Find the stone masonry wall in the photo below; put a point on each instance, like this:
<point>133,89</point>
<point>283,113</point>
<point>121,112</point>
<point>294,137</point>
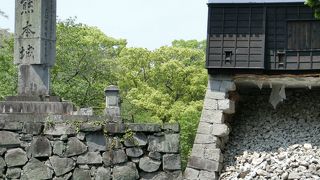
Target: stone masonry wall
<point>205,162</point>
<point>268,143</point>
<point>51,148</point>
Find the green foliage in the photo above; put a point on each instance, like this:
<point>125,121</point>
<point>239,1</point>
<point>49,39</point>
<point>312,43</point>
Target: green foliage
<point>164,85</point>
<point>315,4</point>
<point>8,75</point>
<point>84,63</point>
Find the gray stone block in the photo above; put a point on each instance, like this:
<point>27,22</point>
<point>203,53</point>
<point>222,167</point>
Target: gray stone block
<point>59,129</point>
<point>205,175</point>
<point>171,127</point>
<point>9,139</point>
<point>171,162</point>
<point>206,139</point>
<point>32,128</point>
<point>227,106</point>
<point>169,143</point>
<point>61,166</point>
<point>149,165</point>
<point>75,147</point>
<point>114,157</point>
<point>213,154</point>
<point>81,174</point>
<point>212,116</point>
<point>217,95</point>
<point>11,126</point>
<point>220,130</point>
<point>127,171</point>
<point>138,139</point>
<point>155,155</point>
<point>87,127</point>
<point>145,127</point>
<point>191,174</point>
<point>210,104</point>
<point>58,148</point>
<point>93,158</point>
<point>134,152</point>
<point>36,169</point>
<point>13,173</point>
<point>204,128</point>
<point>96,142</point>
<point>16,157</point>
<point>115,128</point>
<point>103,174</point>
<point>40,147</point>
<point>204,164</point>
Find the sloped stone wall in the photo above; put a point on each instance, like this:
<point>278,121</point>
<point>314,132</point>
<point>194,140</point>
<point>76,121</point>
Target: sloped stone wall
<point>205,162</point>
<point>51,148</point>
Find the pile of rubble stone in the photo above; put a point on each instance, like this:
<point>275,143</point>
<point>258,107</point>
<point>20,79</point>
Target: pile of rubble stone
<point>282,143</point>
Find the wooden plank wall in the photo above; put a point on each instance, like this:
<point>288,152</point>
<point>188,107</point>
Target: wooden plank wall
<point>259,37</point>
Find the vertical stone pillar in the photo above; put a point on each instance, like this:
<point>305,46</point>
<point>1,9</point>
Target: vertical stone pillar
<point>113,103</point>
<point>206,159</point>
<point>34,47</point>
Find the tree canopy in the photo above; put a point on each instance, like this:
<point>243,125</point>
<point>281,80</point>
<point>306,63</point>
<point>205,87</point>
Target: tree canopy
<point>315,4</point>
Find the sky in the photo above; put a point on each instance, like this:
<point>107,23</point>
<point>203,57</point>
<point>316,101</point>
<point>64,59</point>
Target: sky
<point>144,23</point>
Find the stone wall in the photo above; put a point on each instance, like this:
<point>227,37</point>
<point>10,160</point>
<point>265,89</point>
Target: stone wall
<point>206,159</point>
<point>268,143</point>
<point>40,147</point>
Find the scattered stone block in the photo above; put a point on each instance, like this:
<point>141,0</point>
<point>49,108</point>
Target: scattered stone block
<point>114,157</point>
<point>59,129</point>
<point>58,148</point>
<point>171,127</point>
<point>211,116</point>
<point>155,155</point>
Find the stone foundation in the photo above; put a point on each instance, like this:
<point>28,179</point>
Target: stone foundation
<point>52,147</point>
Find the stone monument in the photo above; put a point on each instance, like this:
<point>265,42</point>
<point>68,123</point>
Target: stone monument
<point>34,54</point>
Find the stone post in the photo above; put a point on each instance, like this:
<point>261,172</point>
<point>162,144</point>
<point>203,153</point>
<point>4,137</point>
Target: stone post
<point>34,47</point>
<point>113,103</point>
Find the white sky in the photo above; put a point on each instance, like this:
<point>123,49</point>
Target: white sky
<point>144,23</point>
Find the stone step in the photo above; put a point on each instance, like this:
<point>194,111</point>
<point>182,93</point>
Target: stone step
<point>36,107</point>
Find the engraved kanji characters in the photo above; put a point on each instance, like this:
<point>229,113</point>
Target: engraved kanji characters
<point>27,6</point>
<point>28,53</point>
<point>27,30</point>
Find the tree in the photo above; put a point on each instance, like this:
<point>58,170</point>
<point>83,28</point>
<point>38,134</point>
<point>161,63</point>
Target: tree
<point>315,4</point>
<point>8,75</point>
<point>165,85</point>
<point>84,64</point>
